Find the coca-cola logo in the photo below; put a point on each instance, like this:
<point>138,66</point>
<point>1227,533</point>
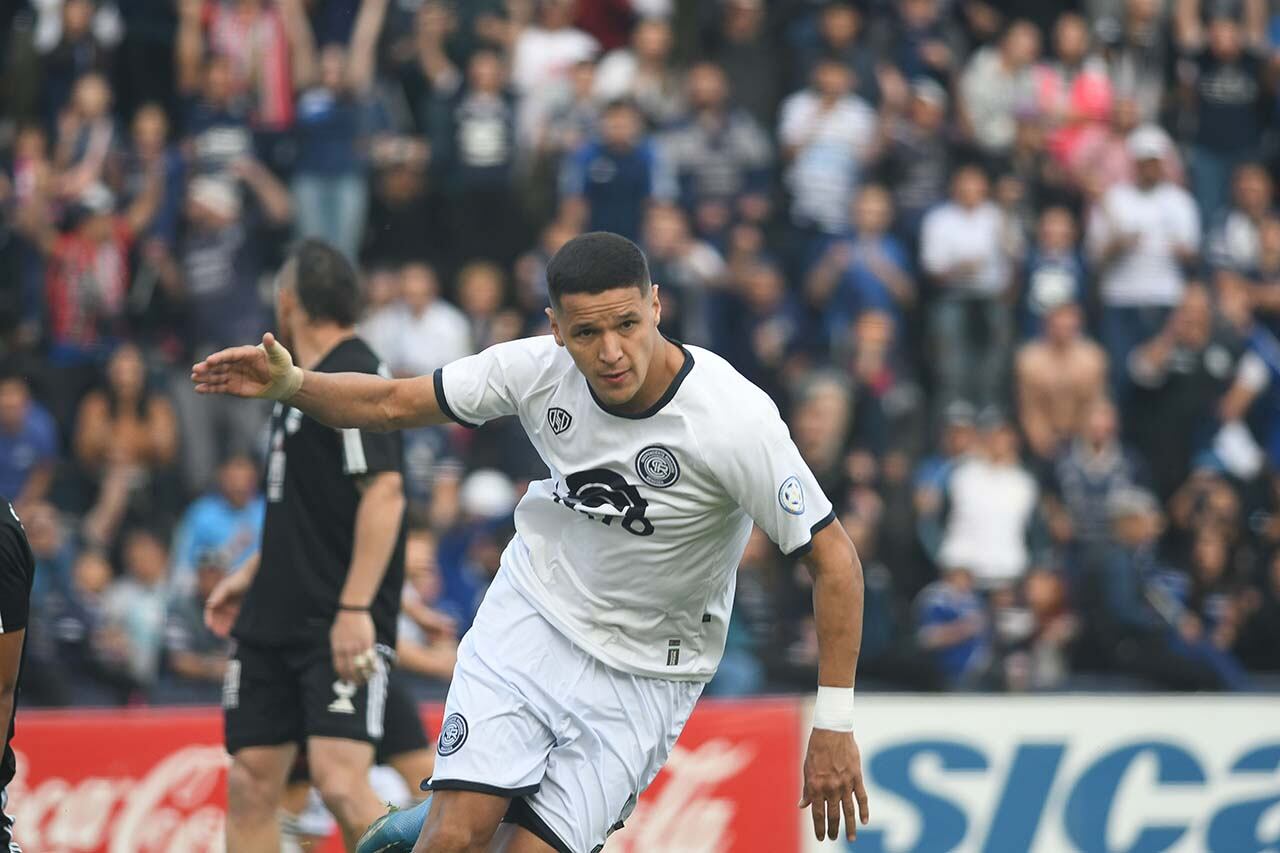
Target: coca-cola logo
<point>174,808</point>
<point>687,814</point>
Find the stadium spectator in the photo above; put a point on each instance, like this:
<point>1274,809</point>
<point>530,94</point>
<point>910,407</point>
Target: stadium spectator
<point>757,323</point>
<point>28,444</point>
<point>1138,54</point>
<point>992,502</point>
<point>741,45</point>
<point>997,84</point>
<point>86,280</point>
<point>542,52</point>
<point>927,43</point>
<point>482,297</point>
<point>421,331</point>
<point>1235,238</point>
<point>223,527</point>
<point>1224,91</point>
<point>1073,91</point>
<point>1060,376</point>
<point>869,271</point>
<point>606,184</point>
<point>721,157</point>
<point>1179,376</point>
<point>827,136</point>
<point>915,154</point>
<point>86,654</point>
<point>251,40</point>
<point>953,627</point>
<point>1054,270</point>
<point>134,607</point>
<point>842,33</point>
<point>149,153</point>
<point>215,123</point>
<point>474,149</point>
<point>970,325</point>
<point>75,39</point>
<point>1140,237</point>
<point>330,191</point>
<point>195,657</point>
<point>86,137</point>
<point>1259,643</point>
<point>427,639</point>
<point>686,268</point>
<point>644,74</point>
<point>1093,467</point>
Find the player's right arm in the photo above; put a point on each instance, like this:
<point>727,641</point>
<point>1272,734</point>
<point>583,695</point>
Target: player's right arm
<point>340,400</point>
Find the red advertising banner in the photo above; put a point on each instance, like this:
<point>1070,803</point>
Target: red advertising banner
<point>154,781</point>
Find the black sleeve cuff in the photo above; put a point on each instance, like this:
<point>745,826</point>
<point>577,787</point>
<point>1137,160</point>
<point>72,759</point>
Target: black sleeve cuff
<point>813,531</point>
<point>438,379</point>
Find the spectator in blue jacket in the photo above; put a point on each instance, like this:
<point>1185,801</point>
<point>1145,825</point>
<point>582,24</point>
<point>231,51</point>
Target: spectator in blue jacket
<point>227,522</point>
<point>608,182</point>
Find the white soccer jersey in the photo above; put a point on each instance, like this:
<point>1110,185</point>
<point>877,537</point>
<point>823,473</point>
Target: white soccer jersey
<point>631,546</point>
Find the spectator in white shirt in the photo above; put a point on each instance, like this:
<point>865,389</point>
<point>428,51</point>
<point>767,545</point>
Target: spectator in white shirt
<point>645,74</point>
<point>827,135</point>
<point>992,504</point>
<point>420,332</point>
<point>1141,236</point>
<point>542,58</point>
<point>971,325</point>
<point>998,82</point>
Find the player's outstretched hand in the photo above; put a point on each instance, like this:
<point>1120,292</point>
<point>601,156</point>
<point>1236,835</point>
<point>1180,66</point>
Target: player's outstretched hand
<point>833,783</point>
<point>223,604</point>
<point>266,370</point>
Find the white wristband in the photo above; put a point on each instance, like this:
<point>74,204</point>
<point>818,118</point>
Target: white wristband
<point>833,709</point>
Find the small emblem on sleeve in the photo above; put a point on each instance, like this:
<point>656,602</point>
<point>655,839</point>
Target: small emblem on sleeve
<point>657,467</point>
<point>453,734</point>
<point>558,419</point>
<point>791,496</point>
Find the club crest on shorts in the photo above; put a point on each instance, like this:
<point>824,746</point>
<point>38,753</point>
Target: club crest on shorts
<point>657,467</point>
<point>453,734</point>
<point>791,496</point>
<point>558,419</point>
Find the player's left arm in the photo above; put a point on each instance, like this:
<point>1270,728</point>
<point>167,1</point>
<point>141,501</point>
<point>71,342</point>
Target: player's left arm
<point>377,528</point>
<point>833,766</point>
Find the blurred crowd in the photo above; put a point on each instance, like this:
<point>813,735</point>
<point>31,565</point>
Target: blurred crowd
<point>1011,271</point>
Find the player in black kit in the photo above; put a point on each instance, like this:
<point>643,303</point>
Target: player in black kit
<point>17,571</point>
<point>317,609</point>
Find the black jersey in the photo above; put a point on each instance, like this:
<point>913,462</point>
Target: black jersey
<point>311,483</point>
<point>17,572</point>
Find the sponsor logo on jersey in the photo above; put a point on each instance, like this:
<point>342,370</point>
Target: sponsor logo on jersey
<point>453,734</point>
<point>343,691</point>
<point>558,419</point>
<point>657,466</point>
<point>791,496</point>
<point>605,496</point>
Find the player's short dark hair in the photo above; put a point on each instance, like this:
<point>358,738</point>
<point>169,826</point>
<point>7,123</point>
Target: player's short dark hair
<point>596,262</point>
<point>325,282</point>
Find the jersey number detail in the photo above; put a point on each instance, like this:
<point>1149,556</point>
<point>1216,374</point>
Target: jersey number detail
<point>610,496</point>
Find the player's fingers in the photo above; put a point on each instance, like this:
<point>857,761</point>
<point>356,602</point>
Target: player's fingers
<point>850,816</point>
<point>860,791</point>
<point>819,818</point>
<point>833,818</point>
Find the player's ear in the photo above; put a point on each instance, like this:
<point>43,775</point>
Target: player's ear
<point>555,326</point>
<point>657,305</point>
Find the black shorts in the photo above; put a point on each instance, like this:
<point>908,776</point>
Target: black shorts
<point>285,694</point>
<point>402,729</point>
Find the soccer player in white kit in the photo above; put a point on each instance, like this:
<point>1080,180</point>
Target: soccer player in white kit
<point>610,611</point>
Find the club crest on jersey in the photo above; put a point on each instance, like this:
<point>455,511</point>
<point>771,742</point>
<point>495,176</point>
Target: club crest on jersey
<point>791,496</point>
<point>657,466</point>
<point>558,419</point>
<point>453,734</point>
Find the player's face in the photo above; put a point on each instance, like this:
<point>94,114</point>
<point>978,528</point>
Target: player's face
<point>612,337</point>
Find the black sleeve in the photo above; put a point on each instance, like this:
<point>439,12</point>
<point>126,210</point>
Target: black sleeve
<point>371,452</point>
<point>16,571</point>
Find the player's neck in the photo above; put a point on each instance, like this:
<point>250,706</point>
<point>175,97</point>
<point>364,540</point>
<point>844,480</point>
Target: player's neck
<point>312,343</point>
<point>666,364</point>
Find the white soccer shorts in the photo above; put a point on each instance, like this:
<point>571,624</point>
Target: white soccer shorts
<point>532,717</point>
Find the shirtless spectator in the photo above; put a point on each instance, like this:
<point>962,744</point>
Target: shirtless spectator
<point>1060,375</point>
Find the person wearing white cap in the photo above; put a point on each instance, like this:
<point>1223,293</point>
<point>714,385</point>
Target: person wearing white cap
<point>1141,236</point>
